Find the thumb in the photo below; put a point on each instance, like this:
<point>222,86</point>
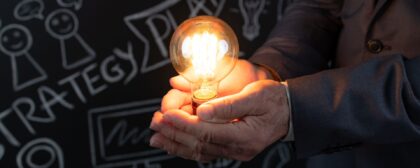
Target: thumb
<point>226,109</point>
<point>180,83</point>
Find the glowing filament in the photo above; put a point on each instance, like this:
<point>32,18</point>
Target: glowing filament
<point>204,50</point>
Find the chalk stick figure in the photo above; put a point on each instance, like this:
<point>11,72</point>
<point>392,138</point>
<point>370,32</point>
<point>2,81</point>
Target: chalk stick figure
<point>15,41</point>
<point>63,25</point>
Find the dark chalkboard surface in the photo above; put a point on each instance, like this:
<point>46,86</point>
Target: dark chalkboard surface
<point>81,78</point>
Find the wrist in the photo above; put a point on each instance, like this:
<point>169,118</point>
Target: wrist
<point>262,73</point>
<point>265,72</point>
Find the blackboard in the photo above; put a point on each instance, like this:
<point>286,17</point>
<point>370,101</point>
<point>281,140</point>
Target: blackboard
<point>81,78</point>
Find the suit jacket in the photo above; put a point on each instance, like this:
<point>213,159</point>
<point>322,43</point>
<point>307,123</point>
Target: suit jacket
<point>353,70</point>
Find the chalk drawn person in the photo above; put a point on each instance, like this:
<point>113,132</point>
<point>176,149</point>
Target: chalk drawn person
<point>63,25</point>
<point>15,41</point>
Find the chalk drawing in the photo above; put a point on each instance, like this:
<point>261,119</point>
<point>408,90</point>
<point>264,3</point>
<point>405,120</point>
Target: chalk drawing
<point>170,25</point>
<point>3,129</point>
<point>24,109</point>
<point>15,41</point>
<point>251,11</point>
<point>90,80</point>
<point>278,156</point>
<point>50,98</point>
<point>63,25</point>
<point>2,151</point>
<point>16,106</point>
<point>26,158</point>
<point>200,5</point>
<point>125,143</point>
<point>154,165</point>
<point>161,13</point>
<point>124,136</point>
<point>145,67</point>
<point>70,3</point>
<point>129,56</point>
<point>29,9</point>
<point>220,163</point>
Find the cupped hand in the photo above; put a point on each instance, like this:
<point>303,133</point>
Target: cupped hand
<point>237,126</point>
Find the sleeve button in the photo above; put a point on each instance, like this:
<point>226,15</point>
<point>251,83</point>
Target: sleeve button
<point>375,46</point>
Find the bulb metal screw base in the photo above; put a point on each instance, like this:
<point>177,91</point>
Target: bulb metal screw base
<point>199,98</point>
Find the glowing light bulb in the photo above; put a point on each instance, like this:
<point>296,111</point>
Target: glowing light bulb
<point>204,50</point>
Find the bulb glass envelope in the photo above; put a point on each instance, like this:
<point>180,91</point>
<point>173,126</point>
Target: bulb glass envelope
<point>204,50</point>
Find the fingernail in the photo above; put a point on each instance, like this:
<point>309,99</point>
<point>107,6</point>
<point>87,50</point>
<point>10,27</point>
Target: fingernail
<point>154,126</point>
<point>155,143</point>
<point>166,123</point>
<point>166,118</point>
<point>204,112</point>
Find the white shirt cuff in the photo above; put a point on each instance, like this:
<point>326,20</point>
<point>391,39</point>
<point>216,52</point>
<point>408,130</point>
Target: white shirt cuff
<point>290,134</point>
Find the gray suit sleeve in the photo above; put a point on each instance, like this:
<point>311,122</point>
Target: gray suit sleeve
<point>376,102</point>
<point>304,41</point>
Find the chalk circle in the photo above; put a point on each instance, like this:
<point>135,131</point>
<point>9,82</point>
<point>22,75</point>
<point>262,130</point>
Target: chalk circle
<point>26,155</point>
<point>29,157</point>
<point>56,19</point>
<point>24,45</point>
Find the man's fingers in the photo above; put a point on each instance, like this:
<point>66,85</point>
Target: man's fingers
<point>226,109</point>
<point>192,142</point>
<point>157,121</point>
<point>179,82</point>
<point>183,131</point>
<point>178,136</point>
<point>188,108</point>
<point>245,103</point>
<point>204,131</point>
<point>175,99</point>
<point>174,148</point>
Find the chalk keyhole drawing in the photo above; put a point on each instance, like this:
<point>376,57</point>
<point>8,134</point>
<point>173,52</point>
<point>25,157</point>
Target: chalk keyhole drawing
<point>15,41</point>
<point>63,25</point>
<point>251,11</point>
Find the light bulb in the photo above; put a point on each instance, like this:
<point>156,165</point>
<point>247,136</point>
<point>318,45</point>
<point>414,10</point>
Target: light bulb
<point>204,50</point>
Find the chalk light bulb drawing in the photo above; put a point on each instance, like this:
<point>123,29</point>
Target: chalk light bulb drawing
<point>204,50</point>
